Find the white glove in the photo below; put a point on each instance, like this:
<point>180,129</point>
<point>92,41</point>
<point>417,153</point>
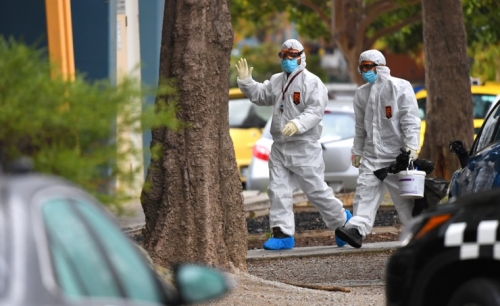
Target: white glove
<point>242,68</point>
<point>413,153</point>
<point>290,129</point>
<point>356,161</point>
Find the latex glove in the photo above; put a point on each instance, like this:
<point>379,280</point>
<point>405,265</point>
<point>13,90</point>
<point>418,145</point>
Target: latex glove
<point>356,161</point>
<point>290,129</point>
<point>242,68</point>
<point>413,153</point>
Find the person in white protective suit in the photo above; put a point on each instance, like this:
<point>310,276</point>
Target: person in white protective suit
<point>387,120</point>
<point>299,99</point>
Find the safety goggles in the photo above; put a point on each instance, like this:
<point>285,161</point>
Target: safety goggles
<point>289,54</point>
<point>366,67</point>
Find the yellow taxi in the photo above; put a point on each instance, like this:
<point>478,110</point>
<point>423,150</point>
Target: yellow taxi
<point>246,122</point>
<point>482,98</point>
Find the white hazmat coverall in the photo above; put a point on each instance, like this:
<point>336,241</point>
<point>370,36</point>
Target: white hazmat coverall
<point>297,158</point>
<point>387,119</point>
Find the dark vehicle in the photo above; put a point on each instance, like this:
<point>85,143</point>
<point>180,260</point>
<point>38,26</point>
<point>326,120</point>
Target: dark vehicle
<point>449,256</point>
<point>58,246</point>
<point>481,165</point>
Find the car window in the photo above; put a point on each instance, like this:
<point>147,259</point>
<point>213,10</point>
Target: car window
<point>80,267</point>
<point>245,114</point>
<point>338,126</point>
<point>138,280</point>
<point>91,257</point>
<point>480,103</point>
<point>490,127</point>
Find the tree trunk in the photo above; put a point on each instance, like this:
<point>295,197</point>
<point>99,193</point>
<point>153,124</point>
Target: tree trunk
<point>193,203</point>
<point>447,80</point>
<point>350,23</point>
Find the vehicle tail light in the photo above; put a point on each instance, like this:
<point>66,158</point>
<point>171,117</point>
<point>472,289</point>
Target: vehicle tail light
<point>261,152</point>
<point>352,157</point>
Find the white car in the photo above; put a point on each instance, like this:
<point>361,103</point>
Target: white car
<point>337,140</point>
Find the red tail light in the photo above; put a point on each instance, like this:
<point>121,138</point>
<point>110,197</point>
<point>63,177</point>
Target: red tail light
<point>261,152</point>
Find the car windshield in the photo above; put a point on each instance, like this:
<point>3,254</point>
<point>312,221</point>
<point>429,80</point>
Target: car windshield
<point>336,126</point>
<point>481,104</point>
<point>245,114</point>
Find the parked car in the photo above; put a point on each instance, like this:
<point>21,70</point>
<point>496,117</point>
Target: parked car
<point>449,255</point>
<point>246,121</point>
<point>58,246</point>
<point>337,140</point>
<point>483,97</point>
<point>481,170</point>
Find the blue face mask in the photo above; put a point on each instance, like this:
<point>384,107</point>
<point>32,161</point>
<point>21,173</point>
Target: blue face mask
<point>289,65</point>
<point>369,76</point>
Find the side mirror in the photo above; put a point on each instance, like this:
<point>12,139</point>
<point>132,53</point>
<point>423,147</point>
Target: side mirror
<point>197,283</point>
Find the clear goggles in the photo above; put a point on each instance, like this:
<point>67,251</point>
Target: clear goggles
<point>289,54</point>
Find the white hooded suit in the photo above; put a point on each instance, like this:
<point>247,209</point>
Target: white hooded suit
<point>300,97</point>
<point>387,119</point>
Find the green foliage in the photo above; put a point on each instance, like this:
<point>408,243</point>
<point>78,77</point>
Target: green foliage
<point>263,58</point>
<point>486,63</point>
<point>70,129</point>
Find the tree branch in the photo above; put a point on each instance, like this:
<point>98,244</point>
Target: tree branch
<point>322,15</point>
<point>374,10</point>
<point>394,28</point>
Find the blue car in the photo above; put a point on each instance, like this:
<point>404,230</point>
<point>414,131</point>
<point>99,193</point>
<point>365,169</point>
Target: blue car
<point>481,165</point>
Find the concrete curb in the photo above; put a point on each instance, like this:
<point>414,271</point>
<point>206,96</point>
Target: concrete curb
<point>261,254</point>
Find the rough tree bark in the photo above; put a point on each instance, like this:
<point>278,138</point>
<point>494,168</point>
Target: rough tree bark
<point>194,206</point>
<point>447,80</point>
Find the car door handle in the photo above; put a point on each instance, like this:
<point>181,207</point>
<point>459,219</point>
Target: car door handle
<point>472,166</point>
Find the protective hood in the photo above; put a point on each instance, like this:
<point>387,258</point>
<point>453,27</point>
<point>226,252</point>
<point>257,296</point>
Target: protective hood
<point>295,44</point>
<point>373,56</point>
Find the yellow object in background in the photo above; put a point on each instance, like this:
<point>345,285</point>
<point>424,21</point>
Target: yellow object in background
<point>482,98</point>
<point>60,37</point>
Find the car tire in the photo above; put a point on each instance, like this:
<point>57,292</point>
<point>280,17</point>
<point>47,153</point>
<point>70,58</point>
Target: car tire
<point>477,292</point>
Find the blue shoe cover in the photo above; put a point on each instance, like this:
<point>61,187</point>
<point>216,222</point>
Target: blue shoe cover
<point>279,243</point>
<point>338,241</point>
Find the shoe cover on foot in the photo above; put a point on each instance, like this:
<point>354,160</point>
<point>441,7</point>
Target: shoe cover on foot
<point>338,241</point>
<point>279,243</point>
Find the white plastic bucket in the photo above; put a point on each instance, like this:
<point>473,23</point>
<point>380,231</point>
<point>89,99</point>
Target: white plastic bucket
<point>411,184</point>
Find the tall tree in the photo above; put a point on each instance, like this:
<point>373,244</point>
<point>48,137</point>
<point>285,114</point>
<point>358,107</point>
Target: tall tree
<point>193,202</point>
<point>353,26</point>
<point>447,80</point>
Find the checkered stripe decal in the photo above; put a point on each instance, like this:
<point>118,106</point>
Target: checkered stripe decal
<point>485,244</point>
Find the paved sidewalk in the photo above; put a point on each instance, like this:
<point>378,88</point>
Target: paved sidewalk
<point>261,254</point>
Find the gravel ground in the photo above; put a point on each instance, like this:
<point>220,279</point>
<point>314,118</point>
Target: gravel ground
<point>265,283</point>
<point>268,282</point>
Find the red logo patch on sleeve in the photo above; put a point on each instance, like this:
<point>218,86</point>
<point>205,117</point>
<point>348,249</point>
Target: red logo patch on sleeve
<point>296,98</point>
<point>388,112</point>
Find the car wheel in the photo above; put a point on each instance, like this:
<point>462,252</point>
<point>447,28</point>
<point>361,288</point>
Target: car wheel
<point>477,292</point>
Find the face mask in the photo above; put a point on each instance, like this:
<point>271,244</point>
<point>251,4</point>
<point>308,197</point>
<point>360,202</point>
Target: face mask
<point>289,65</point>
<point>369,76</point>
